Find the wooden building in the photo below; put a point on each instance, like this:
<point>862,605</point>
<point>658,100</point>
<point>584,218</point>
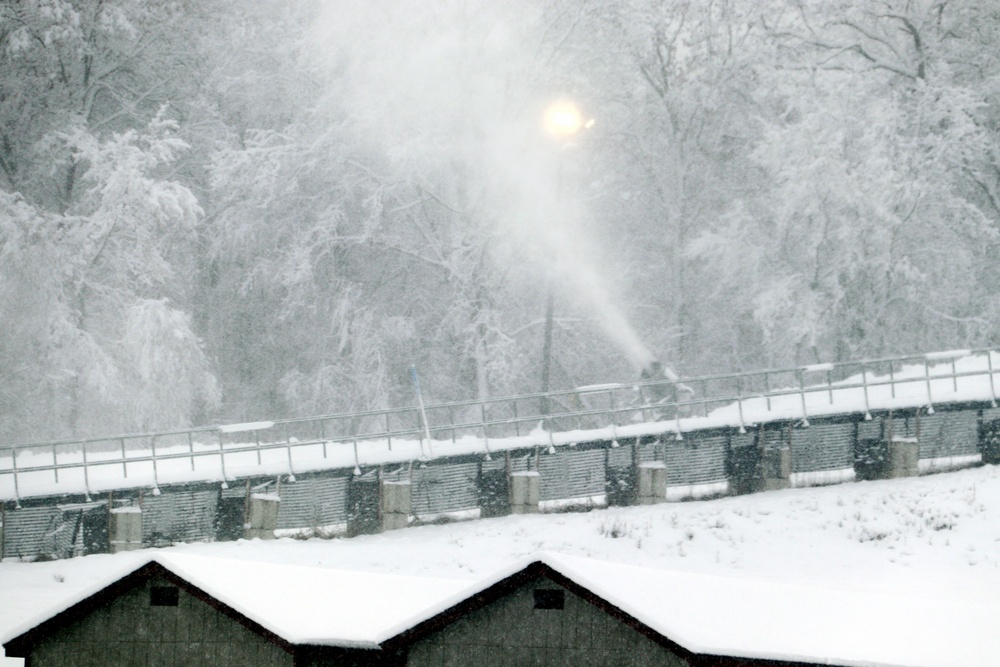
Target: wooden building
<point>539,616</point>
<point>192,611</point>
<point>550,611</point>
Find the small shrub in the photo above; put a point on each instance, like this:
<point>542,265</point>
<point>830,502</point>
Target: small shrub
<point>617,529</point>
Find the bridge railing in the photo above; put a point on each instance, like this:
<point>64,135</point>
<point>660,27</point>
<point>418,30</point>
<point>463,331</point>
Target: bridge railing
<point>734,399</point>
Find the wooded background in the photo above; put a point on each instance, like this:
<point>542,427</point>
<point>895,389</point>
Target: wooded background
<point>220,210</point>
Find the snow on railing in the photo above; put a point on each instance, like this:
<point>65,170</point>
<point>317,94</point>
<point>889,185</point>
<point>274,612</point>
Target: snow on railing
<point>608,412</point>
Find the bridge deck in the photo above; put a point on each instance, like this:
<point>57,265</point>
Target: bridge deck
<point>606,413</point>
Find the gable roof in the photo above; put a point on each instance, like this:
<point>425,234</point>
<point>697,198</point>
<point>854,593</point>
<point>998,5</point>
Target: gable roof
<point>287,605</point>
<point>714,620</point>
<point>511,579</point>
<point>710,620</point>
<point>20,646</point>
<point>480,596</point>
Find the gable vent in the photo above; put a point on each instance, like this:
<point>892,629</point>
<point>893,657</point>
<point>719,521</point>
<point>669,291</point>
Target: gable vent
<point>549,598</point>
<point>163,596</point>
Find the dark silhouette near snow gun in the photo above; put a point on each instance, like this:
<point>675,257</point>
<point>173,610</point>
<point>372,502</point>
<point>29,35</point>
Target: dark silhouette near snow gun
<point>663,389</point>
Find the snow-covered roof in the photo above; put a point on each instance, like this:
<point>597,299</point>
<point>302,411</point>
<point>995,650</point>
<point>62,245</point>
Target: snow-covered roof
<point>302,605</point>
<point>705,614</point>
<point>751,618</point>
<point>312,605</point>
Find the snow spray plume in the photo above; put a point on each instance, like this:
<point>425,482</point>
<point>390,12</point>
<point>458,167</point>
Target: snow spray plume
<point>451,91</point>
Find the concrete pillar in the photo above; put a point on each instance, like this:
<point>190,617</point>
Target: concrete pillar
<point>904,457</point>
<point>396,504</point>
<point>775,469</point>
<point>523,492</point>
<point>262,517</point>
<point>652,486</point>
<point>125,530</point>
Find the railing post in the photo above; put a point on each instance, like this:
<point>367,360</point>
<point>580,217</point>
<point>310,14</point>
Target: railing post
<point>864,382</point>
<point>739,402</point>
<point>55,464</point>
<point>802,394</point>
<point>125,462</point>
<point>388,433</point>
<point>288,449</point>
<point>156,472</point>
<point>767,389</point>
<point>642,402</point>
<point>930,398</point>
<point>191,448</point>
<point>989,364</point>
<point>86,471</point>
<point>614,416</point>
<point>222,461</point>
<point>17,490</point>
<point>422,414</point>
<point>486,435</point>
<point>677,412</point>
<point>357,461</point>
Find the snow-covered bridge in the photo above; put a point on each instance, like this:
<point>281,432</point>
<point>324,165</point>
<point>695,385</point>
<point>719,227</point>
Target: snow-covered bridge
<point>729,433</point>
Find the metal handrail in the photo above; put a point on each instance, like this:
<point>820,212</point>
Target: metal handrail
<point>619,411</point>
<point>502,399</point>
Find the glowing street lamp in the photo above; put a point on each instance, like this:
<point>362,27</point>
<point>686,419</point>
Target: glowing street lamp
<point>562,120</point>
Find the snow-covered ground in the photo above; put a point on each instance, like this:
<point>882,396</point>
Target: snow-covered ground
<point>934,539</point>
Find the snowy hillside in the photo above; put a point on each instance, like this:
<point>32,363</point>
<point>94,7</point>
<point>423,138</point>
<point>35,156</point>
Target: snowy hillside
<point>933,538</point>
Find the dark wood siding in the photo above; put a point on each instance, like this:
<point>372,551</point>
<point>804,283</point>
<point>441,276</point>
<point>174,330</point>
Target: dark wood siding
<point>511,632</point>
<point>130,632</point>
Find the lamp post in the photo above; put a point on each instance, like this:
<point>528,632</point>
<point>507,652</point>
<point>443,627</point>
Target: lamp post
<point>563,120</point>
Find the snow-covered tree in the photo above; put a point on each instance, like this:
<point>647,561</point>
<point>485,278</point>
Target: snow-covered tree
<point>279,207</point>
<point>870,237</point>
<point>93,221</point>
